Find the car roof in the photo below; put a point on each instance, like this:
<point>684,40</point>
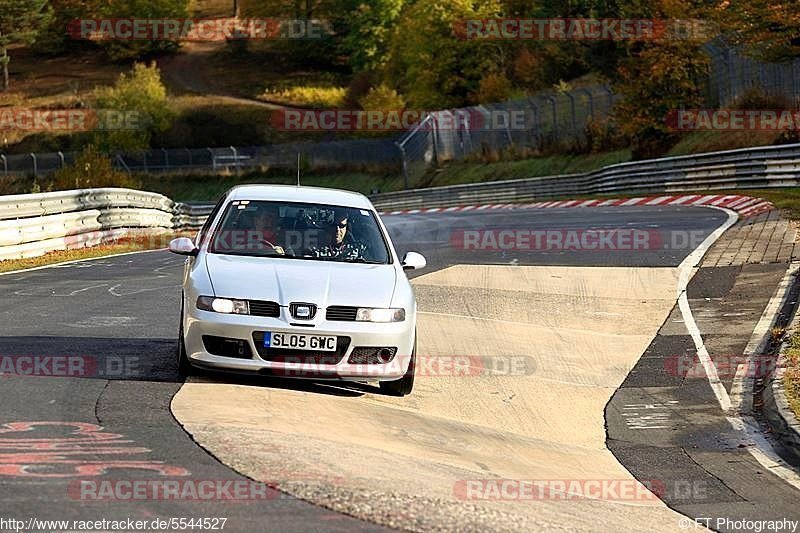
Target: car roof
<point>292,193</point>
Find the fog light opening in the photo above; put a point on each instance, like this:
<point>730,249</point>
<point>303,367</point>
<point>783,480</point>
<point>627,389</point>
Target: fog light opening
<point>385,355</point>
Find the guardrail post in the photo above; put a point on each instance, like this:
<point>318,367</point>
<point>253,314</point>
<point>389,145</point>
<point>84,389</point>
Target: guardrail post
<point>189,152</point>
<point>61,157</point>
<point>405,164</point>
<point>572,111</point>
<point>166,158</point>
<point>235,159</point>
<point>5,164</point>
<point>35,165</point>
<point>435,136</point>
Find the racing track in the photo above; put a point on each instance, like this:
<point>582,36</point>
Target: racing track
<point>392,461</point>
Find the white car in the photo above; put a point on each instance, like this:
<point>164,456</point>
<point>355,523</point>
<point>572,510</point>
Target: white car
<point>298,282</point>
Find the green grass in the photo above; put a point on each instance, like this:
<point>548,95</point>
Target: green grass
<point>791,376</point>
<point>472,172</point>
<point>202,188</point>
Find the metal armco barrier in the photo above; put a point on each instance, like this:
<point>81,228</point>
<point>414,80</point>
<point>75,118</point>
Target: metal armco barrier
<point>750,168</point>
<point>34,224</point>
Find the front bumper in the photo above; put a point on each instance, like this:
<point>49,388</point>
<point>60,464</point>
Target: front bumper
<point>198,323</point>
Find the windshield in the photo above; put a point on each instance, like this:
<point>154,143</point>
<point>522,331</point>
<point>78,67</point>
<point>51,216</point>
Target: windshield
<point>291,230</point>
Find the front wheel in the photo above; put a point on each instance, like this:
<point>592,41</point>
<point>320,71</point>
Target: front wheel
<point>184,368</point>
<point>404,385</point>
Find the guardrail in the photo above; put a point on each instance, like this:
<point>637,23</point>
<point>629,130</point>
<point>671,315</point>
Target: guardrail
<point>34,224</point>
<point>750,168</point>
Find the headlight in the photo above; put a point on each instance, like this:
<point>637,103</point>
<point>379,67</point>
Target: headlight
<point>223,305</point>
<point>366,314</point>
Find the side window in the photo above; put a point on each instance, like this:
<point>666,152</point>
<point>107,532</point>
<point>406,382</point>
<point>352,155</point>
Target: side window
<point>204,230</point>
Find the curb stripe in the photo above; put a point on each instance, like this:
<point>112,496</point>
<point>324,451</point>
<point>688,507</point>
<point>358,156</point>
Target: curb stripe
<point>745,205</point>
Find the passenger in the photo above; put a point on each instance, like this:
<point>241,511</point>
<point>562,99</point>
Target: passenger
<point>341,242</point>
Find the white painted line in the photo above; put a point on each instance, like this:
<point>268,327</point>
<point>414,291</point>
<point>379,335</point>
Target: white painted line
<point>705,199</point>
<point>742,399</point>
<point>740,416</point>
<point>685,270</point>
<point>763,451</point>
<point>684,199</point>
<point>756,208</point>
<point>659,200</point>
<point>724,199</point>
<point>632,201</point>
<point>748,202</point>
<point>737,203</point>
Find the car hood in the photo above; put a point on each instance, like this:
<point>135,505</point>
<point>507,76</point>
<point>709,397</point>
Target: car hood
<point>284,281</point>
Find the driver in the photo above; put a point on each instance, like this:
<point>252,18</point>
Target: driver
<point>341,244</point>
<point>266,228</point>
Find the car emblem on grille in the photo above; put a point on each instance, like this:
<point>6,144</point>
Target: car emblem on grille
<point>303,311</point>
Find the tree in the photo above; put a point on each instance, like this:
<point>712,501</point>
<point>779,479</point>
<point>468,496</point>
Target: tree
<point>429,64</point>
<point>91,168</point>
<point>767,28</point>
<point>142,96</point>
<point>657,78</point>
<point>368,31</point>
<point>142,9</point>
<point>20,21</point>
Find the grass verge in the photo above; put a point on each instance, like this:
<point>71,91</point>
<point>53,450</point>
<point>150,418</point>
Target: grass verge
<point>134,243</point>
<point>791,375</point>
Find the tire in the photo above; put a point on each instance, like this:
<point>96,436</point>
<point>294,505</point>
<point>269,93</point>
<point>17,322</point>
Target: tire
<point>404,385</point>
<point>184,367</point>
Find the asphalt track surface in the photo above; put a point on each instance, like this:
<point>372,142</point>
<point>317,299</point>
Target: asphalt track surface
<point>120,315</point>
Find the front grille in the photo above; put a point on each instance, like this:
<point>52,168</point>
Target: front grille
<point>282,355</point>
<point>226,347</point>
<point>341,313</point>
<point>259,308</point>
<point>363,355</point>
<point>312,310</point>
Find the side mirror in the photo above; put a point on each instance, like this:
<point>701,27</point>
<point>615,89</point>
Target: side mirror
<point>183,246</point>
<point>413,261</point>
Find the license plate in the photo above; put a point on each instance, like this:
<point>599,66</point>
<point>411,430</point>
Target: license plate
<point>299,341</point>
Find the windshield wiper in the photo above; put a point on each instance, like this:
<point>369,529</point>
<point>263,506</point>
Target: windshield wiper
<point>365,261</point>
